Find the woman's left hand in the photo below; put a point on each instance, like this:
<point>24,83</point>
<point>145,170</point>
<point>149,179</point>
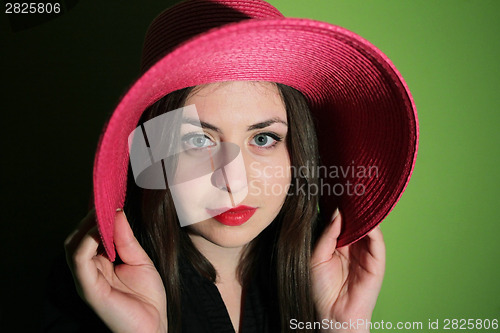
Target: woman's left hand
<point>346,281</point>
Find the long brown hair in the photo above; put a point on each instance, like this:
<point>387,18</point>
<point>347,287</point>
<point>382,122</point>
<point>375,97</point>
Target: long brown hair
<point>279,257</point>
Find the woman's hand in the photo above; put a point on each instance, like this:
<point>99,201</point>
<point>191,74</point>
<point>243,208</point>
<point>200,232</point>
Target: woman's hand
<point>346,281</point>
<point>129,297</point>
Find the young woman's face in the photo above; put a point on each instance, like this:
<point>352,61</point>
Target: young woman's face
<point>250,116</point>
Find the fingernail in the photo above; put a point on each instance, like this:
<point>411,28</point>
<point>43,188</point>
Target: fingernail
<point>335,214</point>
<point>121,210</point>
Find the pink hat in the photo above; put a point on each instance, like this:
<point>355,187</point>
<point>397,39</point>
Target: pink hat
<point>365,116</point>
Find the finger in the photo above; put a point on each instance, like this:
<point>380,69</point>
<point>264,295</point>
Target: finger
<point>127,246</point>
<point>81,260</point>
<point>327,242</point>
<point>376,244</point>
<point>74,241</point>
<point>87,223</point>
<point>369,252</point>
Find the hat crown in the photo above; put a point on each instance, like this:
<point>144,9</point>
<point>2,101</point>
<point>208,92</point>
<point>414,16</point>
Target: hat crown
<point>180,23</point>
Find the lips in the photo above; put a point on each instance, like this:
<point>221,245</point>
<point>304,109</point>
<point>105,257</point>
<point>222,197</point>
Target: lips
<point>233,217</point>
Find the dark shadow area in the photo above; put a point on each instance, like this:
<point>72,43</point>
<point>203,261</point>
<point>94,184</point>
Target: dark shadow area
<point>61,77</point>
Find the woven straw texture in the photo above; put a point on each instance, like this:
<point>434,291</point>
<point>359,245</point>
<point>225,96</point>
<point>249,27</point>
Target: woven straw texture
<point>362,108</point>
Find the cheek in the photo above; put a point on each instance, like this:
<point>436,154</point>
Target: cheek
<point>270,177</point>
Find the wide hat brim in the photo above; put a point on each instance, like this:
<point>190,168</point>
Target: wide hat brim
<point>364,113</point>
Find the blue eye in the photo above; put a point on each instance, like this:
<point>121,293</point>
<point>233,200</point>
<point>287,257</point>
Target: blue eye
<point>197,141</point>
<point>265,140</point>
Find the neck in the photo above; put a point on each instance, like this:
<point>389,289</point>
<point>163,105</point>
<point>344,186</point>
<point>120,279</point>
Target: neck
<point>225,260</point>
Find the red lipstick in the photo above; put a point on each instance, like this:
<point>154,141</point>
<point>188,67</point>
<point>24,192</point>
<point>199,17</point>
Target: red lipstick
<point>234,216</point>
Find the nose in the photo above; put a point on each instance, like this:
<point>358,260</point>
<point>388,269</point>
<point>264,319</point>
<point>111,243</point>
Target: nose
<point>231,175</point>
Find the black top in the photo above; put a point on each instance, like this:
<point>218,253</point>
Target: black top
<point>203,310</point>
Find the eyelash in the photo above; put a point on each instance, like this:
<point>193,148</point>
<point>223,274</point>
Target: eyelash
<point>276,137</point>
<point>188,136</point>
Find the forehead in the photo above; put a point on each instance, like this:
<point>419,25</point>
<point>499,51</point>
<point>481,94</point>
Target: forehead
<point>238,100</point>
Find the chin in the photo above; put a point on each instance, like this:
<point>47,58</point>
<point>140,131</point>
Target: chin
<point>227,236</point>
<point>230,242</point>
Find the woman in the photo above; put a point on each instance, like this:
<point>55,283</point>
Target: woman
<point>258,256</point>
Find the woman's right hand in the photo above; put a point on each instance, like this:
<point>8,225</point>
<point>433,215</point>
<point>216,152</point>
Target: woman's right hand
<point>128,297</point>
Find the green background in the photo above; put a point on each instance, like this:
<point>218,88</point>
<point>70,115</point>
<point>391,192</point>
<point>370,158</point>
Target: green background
<point>443,253</point>
<point>62,77</point>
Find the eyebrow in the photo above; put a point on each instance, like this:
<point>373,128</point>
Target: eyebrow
<point>196,122</point>
<point>260,125</point>
<point>267,123</point>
